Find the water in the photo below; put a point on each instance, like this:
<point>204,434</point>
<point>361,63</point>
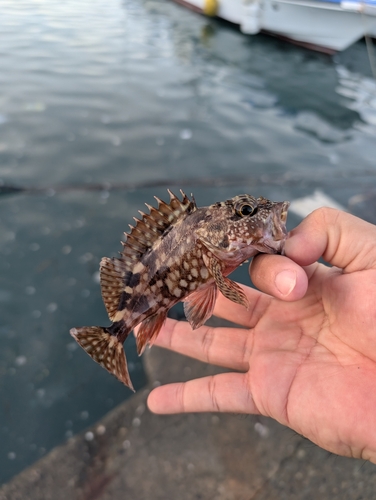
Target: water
<point>125,94</point>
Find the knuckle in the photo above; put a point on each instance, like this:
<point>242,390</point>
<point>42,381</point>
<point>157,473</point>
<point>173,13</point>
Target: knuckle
<point>213,394</point>
<point>207,342</point>
<point>181,397</point>
<point>324,216</point>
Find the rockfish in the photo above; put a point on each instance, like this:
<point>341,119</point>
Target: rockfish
<point>178,252</point>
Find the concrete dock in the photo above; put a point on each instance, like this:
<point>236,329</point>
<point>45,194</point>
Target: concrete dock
<point>135,455</point>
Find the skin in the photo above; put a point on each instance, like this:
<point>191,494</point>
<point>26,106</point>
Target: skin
<point>306,352</point>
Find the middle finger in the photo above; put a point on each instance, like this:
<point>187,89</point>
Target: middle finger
<point>227,347</point>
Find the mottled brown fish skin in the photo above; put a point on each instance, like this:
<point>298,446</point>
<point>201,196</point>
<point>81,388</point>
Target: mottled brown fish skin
<point>178,252</point>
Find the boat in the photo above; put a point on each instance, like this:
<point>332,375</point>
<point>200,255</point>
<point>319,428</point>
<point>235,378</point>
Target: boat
<point>324,25</point>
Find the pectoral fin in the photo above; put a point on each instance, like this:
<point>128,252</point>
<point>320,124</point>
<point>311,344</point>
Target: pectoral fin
<point>198,306</point>
<point>227,287</point>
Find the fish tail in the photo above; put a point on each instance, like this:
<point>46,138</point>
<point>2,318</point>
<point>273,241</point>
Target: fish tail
<point>106,349</point>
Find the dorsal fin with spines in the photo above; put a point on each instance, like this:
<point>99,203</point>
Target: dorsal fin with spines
<point>146,231</point>
<point>150,227</point>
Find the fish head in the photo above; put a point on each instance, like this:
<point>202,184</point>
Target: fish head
<point>243,226</point>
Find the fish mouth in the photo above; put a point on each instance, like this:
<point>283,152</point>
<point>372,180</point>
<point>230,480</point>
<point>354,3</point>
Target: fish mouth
<point>275,247</point>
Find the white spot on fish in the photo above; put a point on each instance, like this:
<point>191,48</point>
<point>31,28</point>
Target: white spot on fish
<point>118,316</point>
<point>194,272</point>
<point>170,284</point>
<point>204,273</point>
<point>138,267</point>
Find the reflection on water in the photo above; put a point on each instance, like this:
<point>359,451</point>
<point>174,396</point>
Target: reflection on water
<point>361,92</point>
<point>128,92</point>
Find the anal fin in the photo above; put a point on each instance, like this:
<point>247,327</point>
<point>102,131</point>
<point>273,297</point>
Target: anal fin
<point>105,349</point>
<point>198,307</point>
<point>149,330</point>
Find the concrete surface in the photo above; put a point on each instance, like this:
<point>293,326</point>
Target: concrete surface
<point>134,455</point>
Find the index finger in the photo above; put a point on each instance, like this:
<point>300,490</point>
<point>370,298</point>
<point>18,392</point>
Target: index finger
<point>341,239</point>
<point>225,392</point>
<point>221,346</point>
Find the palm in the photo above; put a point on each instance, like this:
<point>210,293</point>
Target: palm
<point>308,370</point>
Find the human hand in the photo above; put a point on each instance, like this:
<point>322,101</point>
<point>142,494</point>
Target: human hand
<point>307,350</point>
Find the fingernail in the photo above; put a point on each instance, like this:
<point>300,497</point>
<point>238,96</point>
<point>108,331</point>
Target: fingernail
<point>285,282</point>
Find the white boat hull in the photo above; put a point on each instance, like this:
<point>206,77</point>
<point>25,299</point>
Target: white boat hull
<point>325,26</point>
<point>329,26</point>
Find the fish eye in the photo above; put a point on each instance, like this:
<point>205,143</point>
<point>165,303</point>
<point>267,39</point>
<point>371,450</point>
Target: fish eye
<point>246,210</point>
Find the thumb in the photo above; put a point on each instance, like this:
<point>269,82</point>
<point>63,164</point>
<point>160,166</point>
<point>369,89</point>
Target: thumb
<point>341,239</point>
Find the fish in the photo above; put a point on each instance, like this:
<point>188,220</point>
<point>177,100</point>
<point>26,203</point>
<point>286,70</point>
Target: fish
<point>178,252</point>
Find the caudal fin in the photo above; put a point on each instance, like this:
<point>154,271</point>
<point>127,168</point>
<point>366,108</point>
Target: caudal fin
<point>105,349</point>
